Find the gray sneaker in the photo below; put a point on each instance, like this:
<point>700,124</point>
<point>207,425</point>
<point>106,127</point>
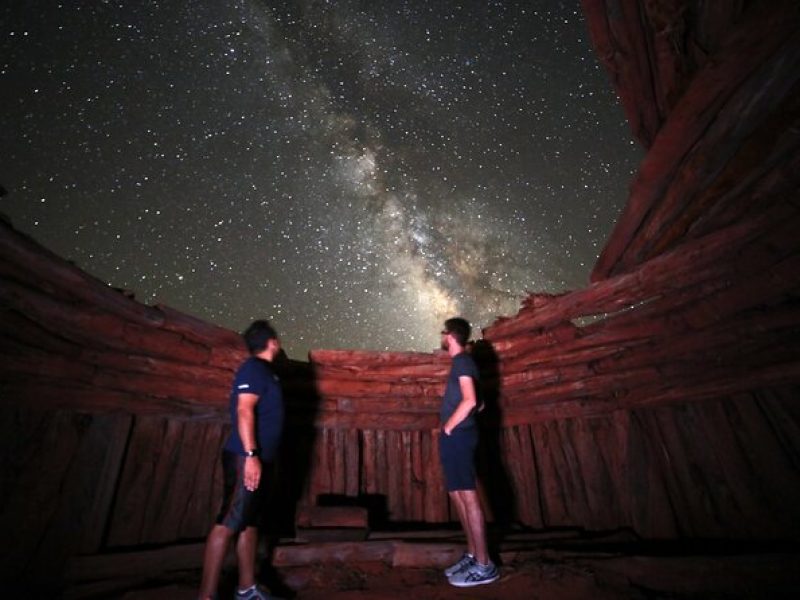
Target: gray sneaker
<point>465,562</point>
<point>253,593</point>
<point>475,574</point>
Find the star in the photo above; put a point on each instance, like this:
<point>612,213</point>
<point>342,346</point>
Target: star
<point>354,173</point>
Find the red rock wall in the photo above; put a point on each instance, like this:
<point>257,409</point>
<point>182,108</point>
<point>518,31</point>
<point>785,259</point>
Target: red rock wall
<point>712,91</point>
<point>662,397</point>
<point>109,411</point>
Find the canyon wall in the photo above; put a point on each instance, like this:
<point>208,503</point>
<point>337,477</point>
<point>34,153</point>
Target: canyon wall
<point>662,398</point>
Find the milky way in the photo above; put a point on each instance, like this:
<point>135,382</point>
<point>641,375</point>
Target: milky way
<point>355,173</point>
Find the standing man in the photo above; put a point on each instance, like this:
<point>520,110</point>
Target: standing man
<point>256,405</point>
<point>457,444</point>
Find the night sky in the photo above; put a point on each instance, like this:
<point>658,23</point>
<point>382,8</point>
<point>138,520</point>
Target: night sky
<point>354,171</point>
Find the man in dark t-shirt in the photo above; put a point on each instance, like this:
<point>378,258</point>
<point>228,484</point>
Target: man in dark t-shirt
<point>256,376</point>
<point>457,444</point>
<point>256,407</point>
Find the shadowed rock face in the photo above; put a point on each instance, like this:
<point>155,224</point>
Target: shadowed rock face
<point>661,398</point>
<point>711,92</point>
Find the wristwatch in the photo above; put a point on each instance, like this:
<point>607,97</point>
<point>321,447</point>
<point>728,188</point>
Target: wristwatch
<point>251,453</point>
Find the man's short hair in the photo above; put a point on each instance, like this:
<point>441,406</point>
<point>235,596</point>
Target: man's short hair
<point>257,335</point>
<point>459,328</point>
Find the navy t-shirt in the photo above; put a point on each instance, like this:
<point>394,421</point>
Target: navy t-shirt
<point>462,365</point>
<point>256,376</point>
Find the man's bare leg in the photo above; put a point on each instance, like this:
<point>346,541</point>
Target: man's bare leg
<point>216,546</point>
<point>476,525</point>
<point>461,510</point>
<point>461,507</point>
<point>246,547</point>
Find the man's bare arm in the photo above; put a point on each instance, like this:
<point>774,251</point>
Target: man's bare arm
<point>246,421</point>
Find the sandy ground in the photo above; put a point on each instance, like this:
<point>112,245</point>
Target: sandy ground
<point>378,582</point>
<point>775,575</point>
<point>561,565</point>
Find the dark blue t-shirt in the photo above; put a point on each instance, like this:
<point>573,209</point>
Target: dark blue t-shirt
<point>256,376</point>
<point>462,365</point>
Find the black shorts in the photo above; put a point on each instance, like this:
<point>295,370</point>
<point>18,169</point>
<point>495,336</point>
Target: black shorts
<point>457,453</point>
<point>241,508</point>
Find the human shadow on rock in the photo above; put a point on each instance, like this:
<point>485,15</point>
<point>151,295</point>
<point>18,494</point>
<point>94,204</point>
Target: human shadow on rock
<point>293,467</point>
<point>491,470</point>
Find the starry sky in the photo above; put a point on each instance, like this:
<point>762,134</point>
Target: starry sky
<point>354,171</point>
